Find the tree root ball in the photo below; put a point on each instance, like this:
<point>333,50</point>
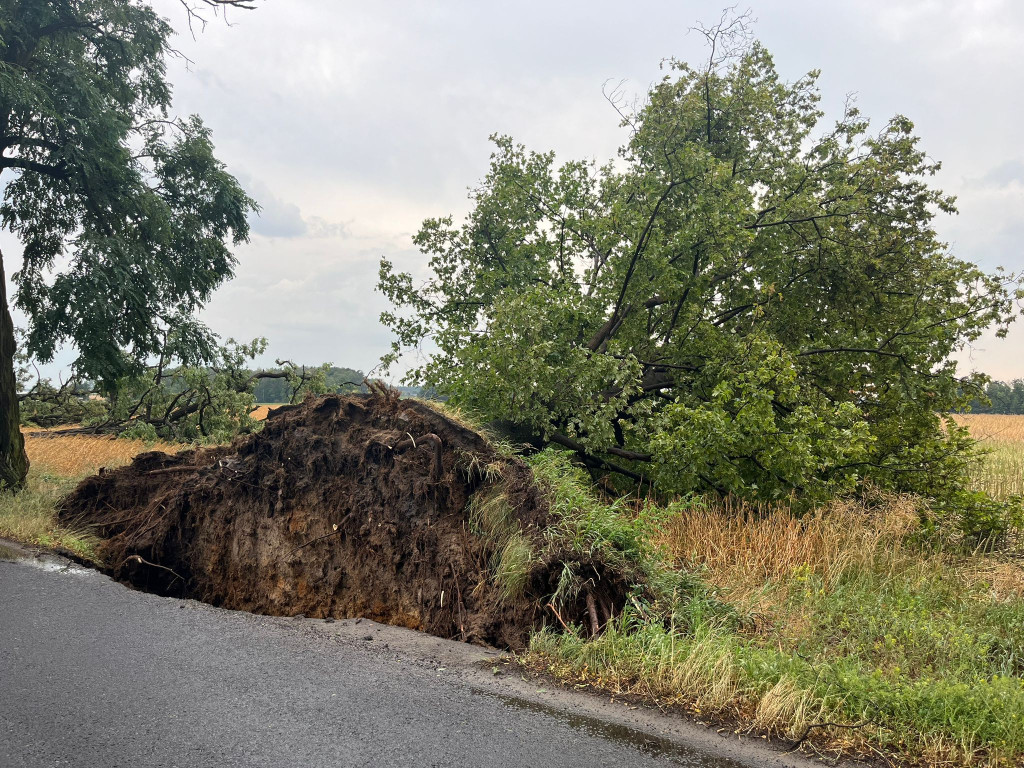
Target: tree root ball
<point>355,505</point>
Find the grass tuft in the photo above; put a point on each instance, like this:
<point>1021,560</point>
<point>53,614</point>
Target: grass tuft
<point>515,562</point>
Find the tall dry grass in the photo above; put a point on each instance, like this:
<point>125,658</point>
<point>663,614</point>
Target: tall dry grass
<point>755,554</point>
<point>741,547</point>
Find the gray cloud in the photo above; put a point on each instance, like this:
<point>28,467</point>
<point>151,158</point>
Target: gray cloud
<point>318,227</point>
<point>278,218</point>
<point>361,119</point>
<point>1003,175</point>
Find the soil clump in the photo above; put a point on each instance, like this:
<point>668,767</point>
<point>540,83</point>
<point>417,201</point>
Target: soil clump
<point>343,506</point>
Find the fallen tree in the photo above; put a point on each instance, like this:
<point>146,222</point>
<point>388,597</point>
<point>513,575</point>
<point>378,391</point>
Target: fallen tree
<point>363,505</point>
<point>174,398</point>
<point>741,302</point>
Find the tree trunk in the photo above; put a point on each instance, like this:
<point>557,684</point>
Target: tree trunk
<point>13,459</point>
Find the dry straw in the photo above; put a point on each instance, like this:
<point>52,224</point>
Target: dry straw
<point>741,547</point>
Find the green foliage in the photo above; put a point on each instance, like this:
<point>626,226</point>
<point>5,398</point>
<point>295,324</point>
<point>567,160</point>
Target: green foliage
<point>912,623</point>
<point>43,404</point>
<point>48,406</point>
<point>741,302</point>
<point>983,521</point>
<point>209,403</point>
<point>287,388</point>
<point>125,214</point>
<point>344,380</point>
<point>1001,397</point>
<point>176,401</point>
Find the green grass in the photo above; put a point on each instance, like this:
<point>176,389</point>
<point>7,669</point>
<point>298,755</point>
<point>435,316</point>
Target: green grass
<point>29,516</point>
<point>713,671</point>
<point>853,618</point>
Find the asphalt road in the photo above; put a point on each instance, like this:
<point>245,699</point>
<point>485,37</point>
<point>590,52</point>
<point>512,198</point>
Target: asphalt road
<point>93,674</point>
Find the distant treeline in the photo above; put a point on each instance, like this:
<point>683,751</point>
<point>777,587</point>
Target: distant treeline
<point>340,380</point>
<point>1006,397</point>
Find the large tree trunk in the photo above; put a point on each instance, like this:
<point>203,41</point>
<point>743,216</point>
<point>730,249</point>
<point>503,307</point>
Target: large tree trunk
<point>13,459</point>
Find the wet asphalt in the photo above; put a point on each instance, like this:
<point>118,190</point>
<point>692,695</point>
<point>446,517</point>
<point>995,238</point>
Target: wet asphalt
<point>96,675</point>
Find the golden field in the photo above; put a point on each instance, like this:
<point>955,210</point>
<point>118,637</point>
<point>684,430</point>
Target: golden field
<point>75,456</point>
<point>1001,472</point>
<point>260,412</point>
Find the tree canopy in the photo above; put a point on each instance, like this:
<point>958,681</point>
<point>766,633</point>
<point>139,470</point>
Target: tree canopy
<point>744,300</point>
<point>125,214</point>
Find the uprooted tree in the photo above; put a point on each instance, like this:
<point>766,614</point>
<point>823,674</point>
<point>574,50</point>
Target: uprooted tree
<point>124,214</point>
<point>170,399</point>
<point>741,302</point>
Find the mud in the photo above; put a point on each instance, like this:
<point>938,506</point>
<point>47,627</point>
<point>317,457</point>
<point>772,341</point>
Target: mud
<point>344,506</point>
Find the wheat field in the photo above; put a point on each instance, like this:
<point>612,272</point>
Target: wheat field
<point>79,455</point>
<point>1001,471</point>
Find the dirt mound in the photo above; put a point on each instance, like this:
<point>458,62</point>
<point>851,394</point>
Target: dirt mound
<point>356,505</point>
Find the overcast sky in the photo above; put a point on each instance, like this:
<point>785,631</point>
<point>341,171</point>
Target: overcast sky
<point>352,122</point>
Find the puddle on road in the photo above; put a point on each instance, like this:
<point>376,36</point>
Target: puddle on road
<point>55,566</point>
<point>43,562</point>
<point>652,746</point>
